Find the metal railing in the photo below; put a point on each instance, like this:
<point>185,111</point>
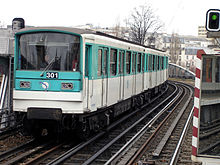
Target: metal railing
<point>3,90</point>
<point>7,118</point>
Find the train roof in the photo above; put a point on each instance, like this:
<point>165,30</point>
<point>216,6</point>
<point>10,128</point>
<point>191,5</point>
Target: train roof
<point>82,31</point>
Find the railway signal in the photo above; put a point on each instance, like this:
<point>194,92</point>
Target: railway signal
<point>212,20</point>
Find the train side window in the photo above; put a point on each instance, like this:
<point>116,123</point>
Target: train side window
<point>99,73</point>
<point>143,62</point>
<point>139,62</point>
<point>113,61</point>
<point>146,62</point>
<point>162,65</point>
<point>149,62</point>
<point>87,61</point>
<point>134,62</point>
<point>105,63</point>
<point>128,62</point>
<point>121,62</point>
<point>154,59</point>
<point>158,62</point>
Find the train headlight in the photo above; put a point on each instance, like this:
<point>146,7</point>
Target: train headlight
<point>25,84</point>
<point>67,86</point>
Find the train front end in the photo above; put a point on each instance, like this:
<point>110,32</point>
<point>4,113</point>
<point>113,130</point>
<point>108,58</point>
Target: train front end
<point>47,78</point>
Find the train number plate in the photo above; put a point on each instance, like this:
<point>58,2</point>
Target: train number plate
<point>52,75</point>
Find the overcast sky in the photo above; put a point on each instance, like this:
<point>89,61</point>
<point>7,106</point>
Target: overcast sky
<point>180,16</point>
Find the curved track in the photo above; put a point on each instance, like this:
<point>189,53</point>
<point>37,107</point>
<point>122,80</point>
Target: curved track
<point>100,148</point>
<point>149,134</point>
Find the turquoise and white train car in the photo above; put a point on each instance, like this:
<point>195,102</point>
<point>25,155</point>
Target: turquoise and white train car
<point>75,78</point>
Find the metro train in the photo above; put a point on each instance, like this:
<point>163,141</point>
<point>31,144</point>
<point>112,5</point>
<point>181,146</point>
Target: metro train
<point>73,79</point>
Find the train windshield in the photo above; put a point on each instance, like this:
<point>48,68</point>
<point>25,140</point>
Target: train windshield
<point>49,50</point>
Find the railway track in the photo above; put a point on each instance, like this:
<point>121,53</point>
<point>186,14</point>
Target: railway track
<point>32,153</point>
<point>164,145</point>
<point>100,148</point>
<point>158,125</point>
<point>91,148</point>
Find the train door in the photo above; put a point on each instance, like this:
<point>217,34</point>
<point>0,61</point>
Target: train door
<point>142,67</point>
<point>102,74</point>
<point>121,62</point>
<point>138,75</point>
<point>88,80</point>
<point>105,76</point>
<point>150,69</point>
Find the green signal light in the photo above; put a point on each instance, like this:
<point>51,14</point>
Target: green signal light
<point>214,17</point>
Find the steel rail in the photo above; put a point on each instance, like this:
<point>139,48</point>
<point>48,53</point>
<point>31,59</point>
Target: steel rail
<point>91,159</point>
<point>181,138</point>
<point>115,157</point>
<point>161,145</point>
<point>77,148</point>
<point>42,155</point>
<point>142,149</point>
<point>25,154</point>
<point>8,153</point>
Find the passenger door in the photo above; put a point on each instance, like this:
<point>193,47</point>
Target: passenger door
<point>121,62</point>
<point>134,55</point>
<point>105,76</point>
<point>88,78</point>
<point>102,73</point>
<point>142,69</point>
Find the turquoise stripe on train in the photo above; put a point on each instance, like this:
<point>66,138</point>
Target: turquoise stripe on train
<point>39,85</point>
<point>37,82</point>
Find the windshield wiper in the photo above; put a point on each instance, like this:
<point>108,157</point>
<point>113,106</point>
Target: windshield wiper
<point>48,66</point>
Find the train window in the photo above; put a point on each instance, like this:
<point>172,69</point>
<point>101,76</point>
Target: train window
<point>105,63</point>
<point>158,62</point>
<point>207,70</point>
<point>154,61</point>
<point>99,73</point>
<point>143,62</point>
<point>150,63</point>
<point>147,63</point>
<point>87,61</point>
<point>139,62</point>
<point>162,63</point>
<point>121,62</point>
<point>55,51</point>
<point>134,62</point>
<point>128,62</point>
<point>113,61</point>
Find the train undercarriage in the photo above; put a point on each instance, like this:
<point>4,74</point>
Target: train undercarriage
<point>43,121</point>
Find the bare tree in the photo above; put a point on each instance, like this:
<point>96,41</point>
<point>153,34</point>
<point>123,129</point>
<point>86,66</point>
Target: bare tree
<point>175,48</point>
<point>141,21</point>
<point>119,31</point>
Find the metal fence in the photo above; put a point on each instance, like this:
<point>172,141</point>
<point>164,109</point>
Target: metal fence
<point>7,117</point>
<point>180,72</point>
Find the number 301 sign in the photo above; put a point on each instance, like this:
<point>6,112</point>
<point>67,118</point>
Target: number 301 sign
<point>52,75</point>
